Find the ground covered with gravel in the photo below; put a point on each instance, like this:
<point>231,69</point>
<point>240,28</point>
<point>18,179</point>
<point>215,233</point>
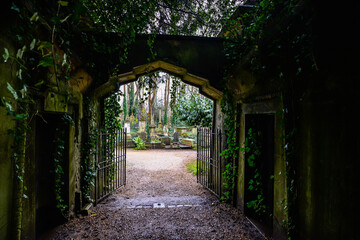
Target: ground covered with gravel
<point>161,200</point>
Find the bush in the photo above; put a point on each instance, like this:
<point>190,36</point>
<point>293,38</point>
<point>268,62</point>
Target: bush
<point>140,145</point>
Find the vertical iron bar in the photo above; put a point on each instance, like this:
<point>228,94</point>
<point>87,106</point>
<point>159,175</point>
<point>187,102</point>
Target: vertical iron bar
<point>197,155</point>
<point>124,162</point>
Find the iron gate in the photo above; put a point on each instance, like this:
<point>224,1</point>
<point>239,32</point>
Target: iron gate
<point>110,163</point>
<point>209,161</point>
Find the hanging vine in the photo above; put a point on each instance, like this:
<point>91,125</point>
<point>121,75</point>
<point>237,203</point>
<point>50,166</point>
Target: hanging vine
<point>88,150</point>
<point>230,153</point>
<point>281,53</point>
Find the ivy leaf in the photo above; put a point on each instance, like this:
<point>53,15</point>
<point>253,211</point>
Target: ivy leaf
<point>66,18</point>
<point>9,107</point>
<point>20,116</point>
<point>63,3</point>
<point>12,90</point>
<point>19,74</point>
<point>6,55</point>
<point>34,17</point>
<point>46,62</point>
<point>44,44</point>
<point>15,8</point>
<point>23,91</point>
<point>32,44</point>
<point>20,52</point>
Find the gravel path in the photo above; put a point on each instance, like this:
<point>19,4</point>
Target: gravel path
<point>161,200</point>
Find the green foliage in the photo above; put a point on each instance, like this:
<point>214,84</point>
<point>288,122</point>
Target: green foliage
<point>230,153</point>
<point>112,110</point>
<point>252,151</point>
<point>147,129</point>
<point>140,145</point>
<point>88,149</point>
<point>195,111</point>
<point>132,107</point>
<point>191,167</point>
<point>59,155</point>
<point>274,41</point>
<point>165,118</point>
<point>124,109</point>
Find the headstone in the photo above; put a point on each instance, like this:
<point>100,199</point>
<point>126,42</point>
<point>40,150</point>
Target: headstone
<point>127,128</point>
<point>152,132</point>
<point>159,124</point>
<point>166,131</point>
<point>165,140</point>
<point>142,135</point>
<point>194,131</point>
<point>142,125</point>
<point>176,137</point>
<point>181,130</point>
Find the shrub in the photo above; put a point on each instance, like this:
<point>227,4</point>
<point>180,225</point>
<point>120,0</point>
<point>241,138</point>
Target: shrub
<point>140,145</point>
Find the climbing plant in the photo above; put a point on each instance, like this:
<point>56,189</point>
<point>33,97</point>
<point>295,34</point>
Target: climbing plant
<point>273,40</point>
<point>59,155</point>
<point>252,150</point>
<point>88,150</point>
<point>230,152</point>
<point>112,110</point>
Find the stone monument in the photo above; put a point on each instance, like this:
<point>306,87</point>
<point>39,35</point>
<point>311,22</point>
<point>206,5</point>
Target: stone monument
<point>176,143</point>
<point>159,124</point>
<point>129,141</point>
<point>152,129</point>
<point>142,127</point>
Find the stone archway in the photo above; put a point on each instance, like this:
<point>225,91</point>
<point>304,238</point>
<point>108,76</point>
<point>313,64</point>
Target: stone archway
<point>203,84</point>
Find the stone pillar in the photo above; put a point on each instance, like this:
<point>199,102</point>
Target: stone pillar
<point>194,130</point>
<point>159,125</point>
<point>127,128</point>
<point>166,130</point>
<point>142,128</point>
<point>152,127</point>
<point>129,141</point>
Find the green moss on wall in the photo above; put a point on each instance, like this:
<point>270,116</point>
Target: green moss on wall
<point>6,168</point>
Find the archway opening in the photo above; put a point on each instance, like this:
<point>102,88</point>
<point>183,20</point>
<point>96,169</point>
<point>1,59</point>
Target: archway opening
<point>160,109</point>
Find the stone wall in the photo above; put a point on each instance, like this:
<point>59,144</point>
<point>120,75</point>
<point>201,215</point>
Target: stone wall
<point>6,166</point>
<point>48,105</point>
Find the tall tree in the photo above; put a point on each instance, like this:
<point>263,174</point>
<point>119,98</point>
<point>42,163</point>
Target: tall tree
<point>131,99</point>
<point>124,104</point>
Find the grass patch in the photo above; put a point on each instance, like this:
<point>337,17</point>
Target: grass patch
<point>191,167</point>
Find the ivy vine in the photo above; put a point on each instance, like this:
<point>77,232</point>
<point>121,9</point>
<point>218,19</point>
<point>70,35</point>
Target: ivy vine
<point>230,153</point>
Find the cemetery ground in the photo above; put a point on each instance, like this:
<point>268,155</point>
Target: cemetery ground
<point>161,200</point>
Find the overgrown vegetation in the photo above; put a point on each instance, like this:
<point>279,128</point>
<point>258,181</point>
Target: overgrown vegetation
<point>252,150</point>
<point>44,34</point>
<point>192,167</point>
<point>281,53</point>
<point>88,151</point>
<point>140,145</point>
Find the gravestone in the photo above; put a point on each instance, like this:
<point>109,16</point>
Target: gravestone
<point>142,135</point>
<point>142,125</point>
<point>166,131</point>
<point>176,137</point>
<point>181,130</point>
<point>165,140</point>
<point>159,124</point>
<point>194,130</point>
<point>127,128</point>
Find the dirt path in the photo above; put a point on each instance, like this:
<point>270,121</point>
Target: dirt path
<point>160,201</point>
